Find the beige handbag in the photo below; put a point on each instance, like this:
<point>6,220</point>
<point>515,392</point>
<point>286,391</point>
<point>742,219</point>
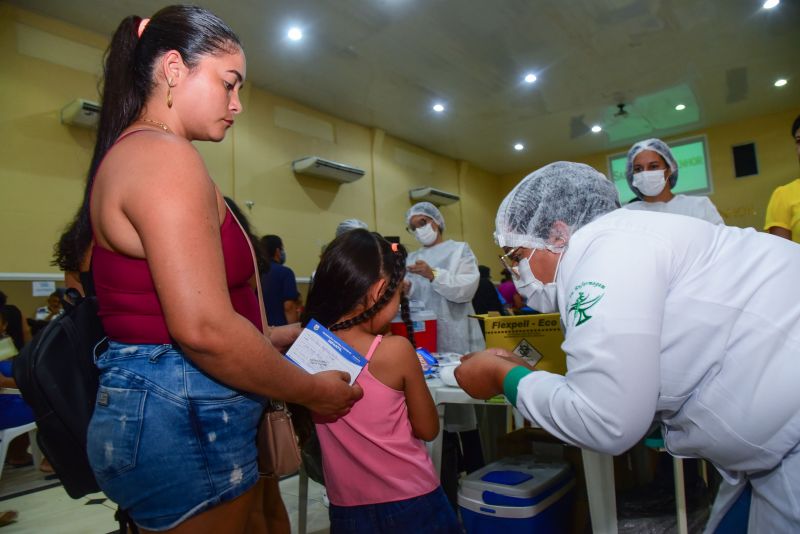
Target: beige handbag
<point>278,449</point>
<point>278,453</point>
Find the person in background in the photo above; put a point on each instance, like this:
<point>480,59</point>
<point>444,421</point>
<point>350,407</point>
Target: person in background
<point>350,224</point>
<point>281,297</point>
<point>510,293</point>
<point>378,474</point>
<point>666,318</point>
<point>487,297</point>
<point>444,275</point>
<point>652,172</point>
<point>189,360</point>
<point>13,410</point>
<point>783,210</point>
<point>52,309</point>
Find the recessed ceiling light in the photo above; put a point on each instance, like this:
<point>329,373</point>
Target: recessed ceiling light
<point>295,34</point>
<point>438,108</point>
<point>597,128</point>
<point>519,146</point>
<point>780,82</point>
<point>530,77</point>
<point>680,107</point>
<point>769,4</point>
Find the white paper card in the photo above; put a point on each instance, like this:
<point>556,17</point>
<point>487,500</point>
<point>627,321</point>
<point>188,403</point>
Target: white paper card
<point>318,349</point>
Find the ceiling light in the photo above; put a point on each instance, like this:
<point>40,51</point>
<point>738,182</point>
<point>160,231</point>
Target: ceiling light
<point>295,34</point>
<point>769,4</point>
<point>438,108</point>
<point>530,77</point>
<point>519,146</point>
<point>780,82</point>
<point>597,128</point>
<point>680,107</point>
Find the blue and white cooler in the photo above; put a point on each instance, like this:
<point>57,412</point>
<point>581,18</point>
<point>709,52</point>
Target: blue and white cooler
<point>518,494</point>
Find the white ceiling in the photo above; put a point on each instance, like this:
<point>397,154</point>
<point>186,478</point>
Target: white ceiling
<point>383,63</point>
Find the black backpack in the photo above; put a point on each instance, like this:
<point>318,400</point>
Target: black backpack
<point>58,379</point>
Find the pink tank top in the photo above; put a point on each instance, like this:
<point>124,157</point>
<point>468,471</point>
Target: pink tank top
<point>370,455</point>
<point>128,304</point>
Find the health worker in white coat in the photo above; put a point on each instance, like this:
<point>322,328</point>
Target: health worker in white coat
<point>652,172</point>
<point>444,275</point>
<point>665,318</point>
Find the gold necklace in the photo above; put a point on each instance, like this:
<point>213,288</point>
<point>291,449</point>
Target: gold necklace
<point>157,123</point>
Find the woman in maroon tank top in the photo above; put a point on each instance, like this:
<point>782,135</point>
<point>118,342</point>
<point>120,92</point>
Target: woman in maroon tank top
<point>187,365</point>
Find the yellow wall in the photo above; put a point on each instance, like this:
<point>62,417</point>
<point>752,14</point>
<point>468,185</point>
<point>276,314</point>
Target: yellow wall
<point>43,162</point>
<point>740,201</point>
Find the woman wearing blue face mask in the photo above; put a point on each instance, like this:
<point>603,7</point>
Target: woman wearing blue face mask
<point>652,172</point>
<point>666,318</point>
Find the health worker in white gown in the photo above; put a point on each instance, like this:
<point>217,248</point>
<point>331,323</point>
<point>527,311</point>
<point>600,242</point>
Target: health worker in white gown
<point>444,276</point>
<point>652,172</point>
<point>665,317</point>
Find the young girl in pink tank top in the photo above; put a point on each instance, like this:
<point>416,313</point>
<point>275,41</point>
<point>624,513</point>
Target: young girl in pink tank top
<point>378,475</point>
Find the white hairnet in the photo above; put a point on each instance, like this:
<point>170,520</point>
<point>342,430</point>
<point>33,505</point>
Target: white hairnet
<point>562,191</point>
<point>427,209</point>
<point>350,224</point>
<point>659,147</point>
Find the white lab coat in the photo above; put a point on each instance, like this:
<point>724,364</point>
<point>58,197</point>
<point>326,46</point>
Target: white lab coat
<point>449,296</point>
<point>699,207</point>
<point>695,325</point>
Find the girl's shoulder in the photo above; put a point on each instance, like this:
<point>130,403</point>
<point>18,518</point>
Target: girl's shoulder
<point>393,359</point>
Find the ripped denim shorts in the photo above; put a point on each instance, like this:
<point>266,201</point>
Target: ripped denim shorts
<point>167,441</point>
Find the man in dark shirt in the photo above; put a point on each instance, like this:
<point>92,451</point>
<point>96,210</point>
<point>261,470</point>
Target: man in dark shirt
<point>281,297</point>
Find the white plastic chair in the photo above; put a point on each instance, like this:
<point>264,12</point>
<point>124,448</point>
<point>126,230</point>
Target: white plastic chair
<point>8,434</point>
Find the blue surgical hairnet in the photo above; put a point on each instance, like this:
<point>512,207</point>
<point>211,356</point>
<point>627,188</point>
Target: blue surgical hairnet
<point>427,209</point>
<point>573,193</point>
<point>659,147</point>
<point>350,224</point>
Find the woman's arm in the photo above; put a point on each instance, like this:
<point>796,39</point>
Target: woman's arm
<point>168,211</point>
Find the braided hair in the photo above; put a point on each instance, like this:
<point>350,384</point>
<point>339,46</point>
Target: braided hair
<point>351,264</point>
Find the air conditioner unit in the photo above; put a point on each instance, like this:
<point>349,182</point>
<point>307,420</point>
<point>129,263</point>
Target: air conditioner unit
<point>432,195</point>
<point>81,113</point>
<point>324,168</point>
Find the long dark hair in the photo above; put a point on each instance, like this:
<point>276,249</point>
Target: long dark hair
<point>350,265</point>
<point>127,83</point>
<point>13,318</point>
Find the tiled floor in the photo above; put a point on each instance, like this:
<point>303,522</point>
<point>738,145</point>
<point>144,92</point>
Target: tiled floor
<point>45,508</point>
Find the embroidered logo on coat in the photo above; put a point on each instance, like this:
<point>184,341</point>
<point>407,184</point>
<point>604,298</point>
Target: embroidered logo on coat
<point>583,298</point>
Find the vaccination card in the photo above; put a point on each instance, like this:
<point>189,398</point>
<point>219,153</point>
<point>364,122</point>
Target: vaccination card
<point>318,349</point>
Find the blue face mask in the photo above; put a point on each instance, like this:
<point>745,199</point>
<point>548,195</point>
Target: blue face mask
<point>282,259</point>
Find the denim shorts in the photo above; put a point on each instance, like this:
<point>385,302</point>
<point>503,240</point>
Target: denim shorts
<point>167,441</point>
<point>428,514</point>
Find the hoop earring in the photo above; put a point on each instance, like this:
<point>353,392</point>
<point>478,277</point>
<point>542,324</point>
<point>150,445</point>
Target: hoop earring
<point>169,93</point>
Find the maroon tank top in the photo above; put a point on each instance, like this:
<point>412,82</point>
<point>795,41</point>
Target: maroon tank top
<point>128,304</point>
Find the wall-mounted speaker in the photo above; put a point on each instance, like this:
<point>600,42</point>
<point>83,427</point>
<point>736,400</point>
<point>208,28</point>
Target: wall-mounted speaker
<point>744,160</point>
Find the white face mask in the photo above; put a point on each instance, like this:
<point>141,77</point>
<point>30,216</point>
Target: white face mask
<point>538,295</point>
<point>650,183</point>
<point>426,235</point>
